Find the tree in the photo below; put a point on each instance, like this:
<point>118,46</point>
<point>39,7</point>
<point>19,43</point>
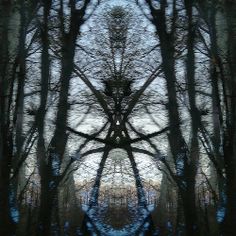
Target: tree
<point>50,163</point>
<point>93,94</point>
<point>10,18</point>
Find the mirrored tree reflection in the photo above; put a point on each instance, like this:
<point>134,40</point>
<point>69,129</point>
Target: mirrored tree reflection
<point>118,72</point>
<point>117,117</point>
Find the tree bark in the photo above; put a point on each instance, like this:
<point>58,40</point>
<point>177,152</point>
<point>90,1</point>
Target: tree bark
<point>230,133</point>
<point>9,37</point>
<point>185,163</point>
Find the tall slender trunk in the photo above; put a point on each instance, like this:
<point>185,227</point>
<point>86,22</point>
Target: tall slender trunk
<point>217,180</point>
<point>51,167</point>
<point>93,201</point>
<point>185,163</point>
<point>190,168</point>
<point>9,30</point>
<point>230,134</point>
<point>142,202</point>
<point>44,170</point>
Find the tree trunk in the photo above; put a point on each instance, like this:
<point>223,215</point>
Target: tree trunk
<point>230,145</point>
<point>46,198</point>
<point>226,36</point>
<point>9,37</point>
<point>183,162</point>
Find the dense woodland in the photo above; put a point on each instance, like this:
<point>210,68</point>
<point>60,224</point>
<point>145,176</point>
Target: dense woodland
<point>118,117</point>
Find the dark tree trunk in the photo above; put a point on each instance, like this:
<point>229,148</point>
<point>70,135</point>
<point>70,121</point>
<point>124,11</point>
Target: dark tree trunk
<point>190,168</point>
<point>142,202</point>
<point>185,163</point>
<point>230,133</point>
<point>93,202</point>
<point>52,166</point>
<point>7,56</point>
<point>46,199</point>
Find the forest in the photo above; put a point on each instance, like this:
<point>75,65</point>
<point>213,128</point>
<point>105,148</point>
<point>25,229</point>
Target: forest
<point>118,117</point>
